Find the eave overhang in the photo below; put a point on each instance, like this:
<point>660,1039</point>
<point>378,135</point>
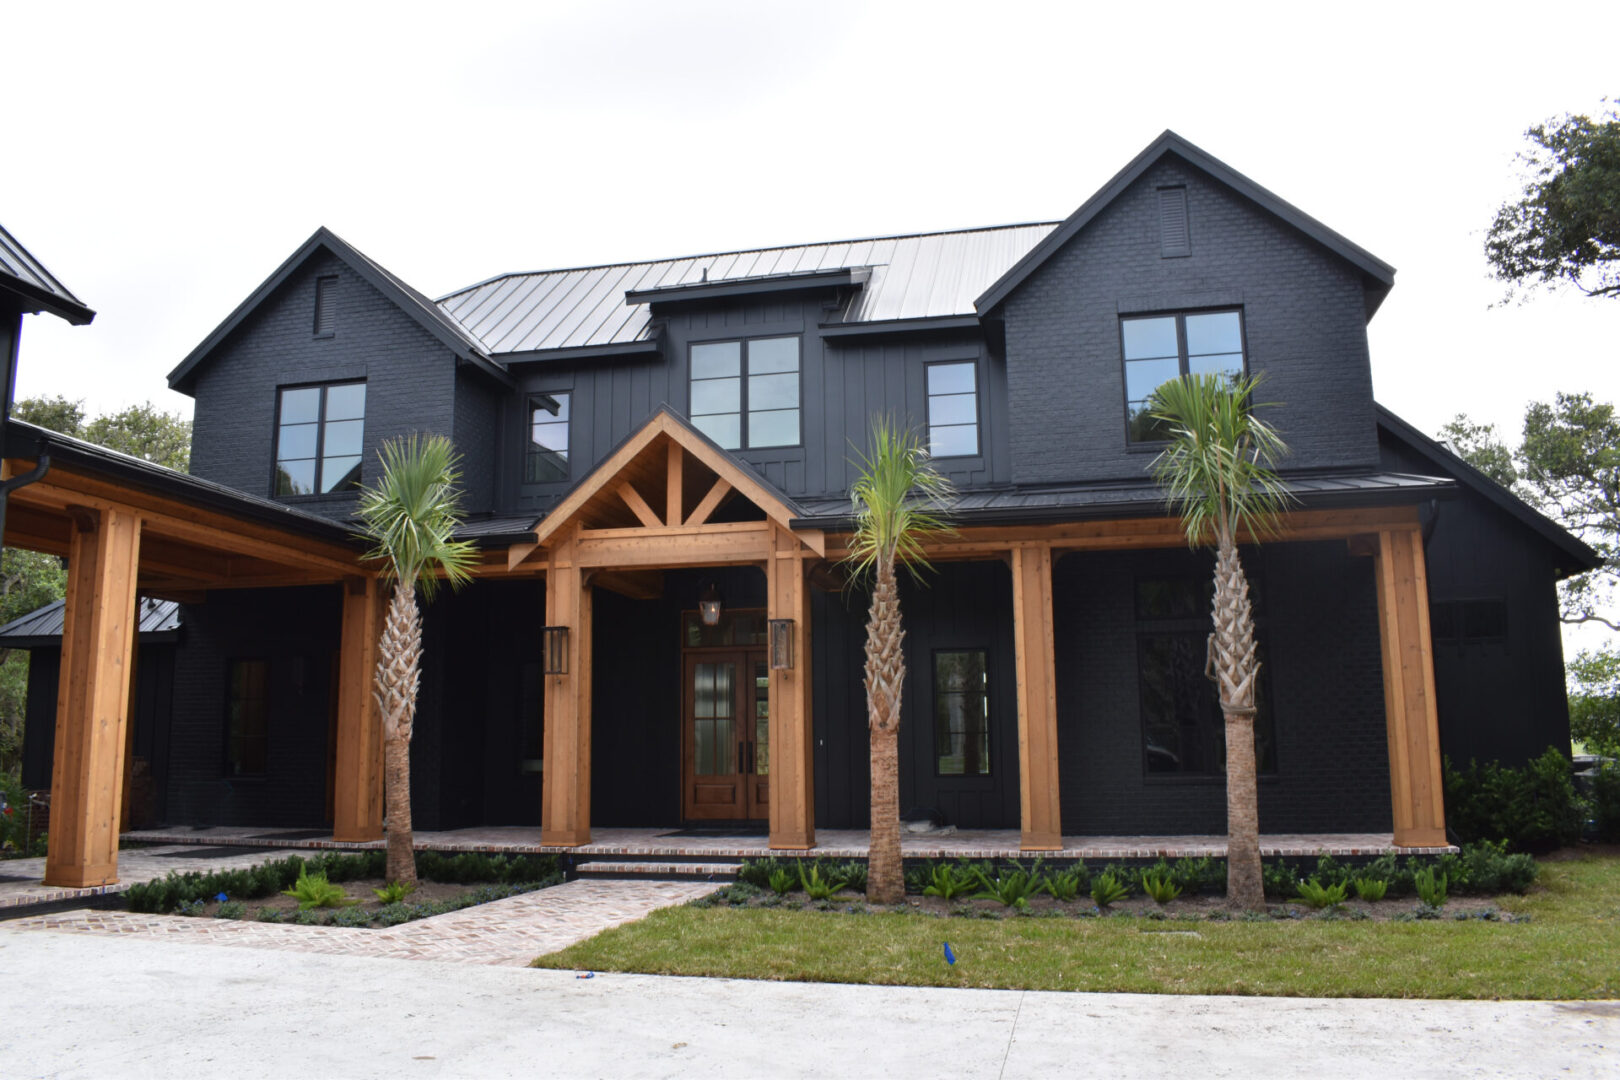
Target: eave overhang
<point>618,350</point>
<point>941,324</point>
<point>739,288</point>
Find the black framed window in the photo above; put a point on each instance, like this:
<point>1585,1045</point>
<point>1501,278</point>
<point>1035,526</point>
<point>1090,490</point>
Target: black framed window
<point>962,713</point>
<point>247,718</point>
<point>1183,729</point>
<point>953,409</point>
<point>745,394</point>
<point>1468,622</point>
<point>320,432</point>
<point>547,459</point>
<point>1158,348</point>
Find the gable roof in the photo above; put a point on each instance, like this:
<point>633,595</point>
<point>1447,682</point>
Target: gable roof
<point>426,314</point>
<point>917,276</point>
<point>26,277</point>
<point>1582,555</point>
<point>1379,273</point>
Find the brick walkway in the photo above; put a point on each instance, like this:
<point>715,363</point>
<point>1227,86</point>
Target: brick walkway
<point>507,933</point>
<point>21,884</point>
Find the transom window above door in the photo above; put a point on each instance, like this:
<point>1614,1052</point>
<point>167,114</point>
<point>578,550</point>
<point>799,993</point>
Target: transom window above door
<point>320,434</point>
<point>745,394</point>
<point>1159,348</point>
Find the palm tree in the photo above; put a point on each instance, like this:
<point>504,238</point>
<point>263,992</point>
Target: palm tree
<point>1217,469</point>
<point>410,516</point>
<point>895,497</point>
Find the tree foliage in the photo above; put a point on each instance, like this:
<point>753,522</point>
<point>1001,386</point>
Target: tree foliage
<point>1481,447</point>
<point>1594,701</point>
<point>1564,228</point>
<point>142,431</point>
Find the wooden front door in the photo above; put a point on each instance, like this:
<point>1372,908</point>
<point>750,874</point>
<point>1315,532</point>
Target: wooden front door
<point>726,735</point>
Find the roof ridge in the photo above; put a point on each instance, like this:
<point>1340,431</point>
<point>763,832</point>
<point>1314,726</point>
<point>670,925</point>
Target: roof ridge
<point>742,251</point>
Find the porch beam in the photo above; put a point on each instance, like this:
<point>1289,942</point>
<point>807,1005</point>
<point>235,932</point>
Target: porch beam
<point>92,711</point>
<point>710,502</point>
<point>665,549</point>
<point>638,506</point>
<point>357,781</point>
<point>565,815</point>
<point>792,784</point>
<point>1036,663</point>
<point>1411,721</point>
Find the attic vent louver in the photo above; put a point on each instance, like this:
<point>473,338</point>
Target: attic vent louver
<point>1173,236</point>
<point>325,306</point>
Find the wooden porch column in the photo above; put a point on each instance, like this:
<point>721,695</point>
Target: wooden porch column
<point>792,747</point>
<point>92,709</point>
<point>565,813</point>
<point>1036,660</point>
<point>357,780</point>
<point>1409,704</point>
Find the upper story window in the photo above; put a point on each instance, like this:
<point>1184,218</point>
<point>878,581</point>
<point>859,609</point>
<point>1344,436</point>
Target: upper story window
<point>547,460</point>
<point>320,431</point>
<point>745,394</point>
<point>1159,348</point>
<point>326,306</point>
<point>962,713</point>
<point>953,409</point>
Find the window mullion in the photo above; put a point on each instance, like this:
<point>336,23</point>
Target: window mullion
<point>1181,345</point>
<point>742,397</point>
<point>320,445</point>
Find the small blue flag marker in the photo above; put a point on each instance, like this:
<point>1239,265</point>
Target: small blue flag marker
<point>950,957</point>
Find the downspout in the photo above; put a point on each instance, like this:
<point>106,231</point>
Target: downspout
<point>41,467</point>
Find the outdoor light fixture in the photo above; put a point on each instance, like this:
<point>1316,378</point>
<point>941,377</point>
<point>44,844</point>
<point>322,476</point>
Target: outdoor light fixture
<point>709,605</point>
<point>556,650</point>
<point>781,644</point>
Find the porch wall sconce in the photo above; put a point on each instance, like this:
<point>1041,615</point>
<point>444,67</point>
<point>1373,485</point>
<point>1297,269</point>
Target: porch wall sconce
<point>555,650</point>
<point>781,644</point>
<point>709,605</point>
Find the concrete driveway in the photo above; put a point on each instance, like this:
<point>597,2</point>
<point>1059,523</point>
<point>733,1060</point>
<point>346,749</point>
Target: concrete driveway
<point>91,1006</point>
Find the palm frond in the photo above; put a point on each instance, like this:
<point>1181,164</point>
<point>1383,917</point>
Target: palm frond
<point>412,512</point>
<point>900,500</point>
<point>1218,469</point>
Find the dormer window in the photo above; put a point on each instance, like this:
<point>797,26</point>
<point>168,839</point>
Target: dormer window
<point>320,432</point>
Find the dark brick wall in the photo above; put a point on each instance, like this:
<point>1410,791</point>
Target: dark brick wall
<point>1304,320</point>
<point>410,378</point>
<point>1326,689</point>
<point>297,631</point>
<point>1500,700</point>
<point>477,438</point>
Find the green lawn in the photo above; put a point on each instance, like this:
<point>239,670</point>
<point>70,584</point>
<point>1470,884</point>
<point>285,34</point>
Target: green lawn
<point>1570,948</point>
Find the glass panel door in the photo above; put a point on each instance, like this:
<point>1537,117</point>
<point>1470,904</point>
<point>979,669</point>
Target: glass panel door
<point>714,699</point>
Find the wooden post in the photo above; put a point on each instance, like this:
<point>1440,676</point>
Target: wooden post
<point>129,721</point>
<point>1036,659</point>
<point>357,783</point>
<point>1409,704</point>
<point>565,814</point>
<point>792,780</point>
<point>92,708</point>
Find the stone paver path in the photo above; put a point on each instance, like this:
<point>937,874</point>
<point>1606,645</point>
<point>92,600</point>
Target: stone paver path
<point>507,933</point>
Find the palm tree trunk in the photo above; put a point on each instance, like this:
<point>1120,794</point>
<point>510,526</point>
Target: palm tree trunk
<point>399,673</point>
<point>885,679</point>
<point>1235,668</point>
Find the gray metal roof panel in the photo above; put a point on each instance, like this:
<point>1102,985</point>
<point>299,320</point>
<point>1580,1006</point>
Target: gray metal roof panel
<point>927,275</point>
<point>154,617</point>
<point>26,276</point>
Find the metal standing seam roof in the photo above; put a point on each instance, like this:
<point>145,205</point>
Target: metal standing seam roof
<point>27,276</point>
<point>154,616</point>
<point>924,275</point>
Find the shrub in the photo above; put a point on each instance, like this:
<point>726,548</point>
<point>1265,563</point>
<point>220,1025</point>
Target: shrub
<point>757,872</point>
<point>781,881</point>
<point>1316,895</point>
<point>1012,887</point>
<point>1487,869</point>
<point>853,872</point>
<point>1160,884</point>
<point>1065,885</point>
<point>1198,875</point>
<point>230,909</point>
<point>395,891</point>
<point>1430,888</point>
<point>1279,879</point>
<point>1371,889</point>
<point>1107,889</point>
<point>352,917</point>
<point>814,885</point>
<point>1605,803</point>
<point>314,891</point>
<point>948,882</point>
<point>1533,808</point>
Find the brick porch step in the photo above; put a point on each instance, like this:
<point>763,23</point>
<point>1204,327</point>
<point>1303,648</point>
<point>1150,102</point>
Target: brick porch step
<point>718,872</point>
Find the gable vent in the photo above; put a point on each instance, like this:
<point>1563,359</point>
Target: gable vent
<point>1173,236</point>
<point>325,305</point>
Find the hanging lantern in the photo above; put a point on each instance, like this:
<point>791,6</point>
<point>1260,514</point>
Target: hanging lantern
<point>709,605</point>
<point>781,644</point>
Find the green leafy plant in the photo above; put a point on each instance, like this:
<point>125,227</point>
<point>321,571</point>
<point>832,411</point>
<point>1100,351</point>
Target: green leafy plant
<point>314,891</point>
<point>230,909</point>
<point>1316,895</point>
<point>815,886</point>
<point>1430,888</point>
<point>1534,808</point>
<point>1281,881</point>
<point>1371,889</point>
<point>1196,875</point>
<point>1065,884</point>
<point>395,891</point>
<point>948,882</point>
<point>781,882</point>
<point>1012,887</point>
<point>1107,889</point>
<point>1160,885</point>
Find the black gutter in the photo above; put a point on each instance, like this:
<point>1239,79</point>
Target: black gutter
<point>724,289</point>
<point>650,347</point>
<point>901,326</point>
